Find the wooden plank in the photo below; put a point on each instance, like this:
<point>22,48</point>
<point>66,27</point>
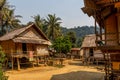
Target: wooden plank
<point>116,65</point>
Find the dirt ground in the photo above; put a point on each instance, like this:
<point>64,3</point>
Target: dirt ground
<point>73,70</point>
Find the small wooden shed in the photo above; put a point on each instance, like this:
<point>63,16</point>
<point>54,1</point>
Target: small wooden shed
<point>89,45</point>
<point>89,48</point>
<point>25,42</point>
<point>75,52</point>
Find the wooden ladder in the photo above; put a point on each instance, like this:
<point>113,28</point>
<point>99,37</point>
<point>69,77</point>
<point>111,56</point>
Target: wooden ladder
<point>108,66</point>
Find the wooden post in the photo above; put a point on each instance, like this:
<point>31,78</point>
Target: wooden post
<point>101,25</point>
<point>18,63</point>
<point>96,28</point>
<point>37,60</point>
<point>12,63</point>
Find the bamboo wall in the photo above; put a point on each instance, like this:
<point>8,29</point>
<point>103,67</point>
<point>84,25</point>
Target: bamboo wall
<point>18,48</point>
<point>86,52</point>
<point>42,50</point>
<point>8,46</point>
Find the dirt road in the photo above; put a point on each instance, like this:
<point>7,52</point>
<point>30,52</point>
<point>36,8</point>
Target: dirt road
<point>72,71</point>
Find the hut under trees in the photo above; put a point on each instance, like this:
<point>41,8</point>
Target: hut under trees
<point>24,45</point>
<point>75,52</point>
<point>90,51</point>
<point>107,15</point>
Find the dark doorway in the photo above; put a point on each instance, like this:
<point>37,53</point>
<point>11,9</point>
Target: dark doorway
<point>24,48</point>
<point>91,52</point>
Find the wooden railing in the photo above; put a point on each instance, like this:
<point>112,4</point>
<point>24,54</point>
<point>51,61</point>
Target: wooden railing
<point>108,39</point>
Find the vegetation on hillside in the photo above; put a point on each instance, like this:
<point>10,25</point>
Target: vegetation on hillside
<point>80,33</point>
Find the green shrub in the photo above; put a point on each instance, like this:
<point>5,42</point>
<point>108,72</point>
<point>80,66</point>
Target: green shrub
<point>2,59</point>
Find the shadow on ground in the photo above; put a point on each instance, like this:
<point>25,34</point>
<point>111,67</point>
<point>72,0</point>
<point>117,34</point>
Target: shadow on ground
<point>79,75</point>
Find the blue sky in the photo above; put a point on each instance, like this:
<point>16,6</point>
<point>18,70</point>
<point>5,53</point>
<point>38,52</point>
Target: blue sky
<point>68,10</point>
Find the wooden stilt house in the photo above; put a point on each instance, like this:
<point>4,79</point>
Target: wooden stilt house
<point>107,15</point>
<point>25,42</point>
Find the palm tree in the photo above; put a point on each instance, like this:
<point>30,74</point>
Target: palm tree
<point>72,37</point>
<point>53,26</point>
<point>38,21</point>
<point>10,20</point>
<point>2,3</point>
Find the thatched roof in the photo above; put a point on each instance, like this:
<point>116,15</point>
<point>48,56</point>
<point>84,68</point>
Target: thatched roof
<point>89,41</point>
<point>17,36</point>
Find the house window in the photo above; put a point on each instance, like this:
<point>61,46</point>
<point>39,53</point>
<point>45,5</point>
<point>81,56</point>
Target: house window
<point>24,48</point>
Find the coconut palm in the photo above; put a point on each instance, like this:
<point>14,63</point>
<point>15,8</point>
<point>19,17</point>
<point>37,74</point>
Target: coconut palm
<point>72,37</point>
<point>10,20</point>
<point>2,3</point>
<point>53,26</point>
<point>38,21</point>
<point>2,7</point>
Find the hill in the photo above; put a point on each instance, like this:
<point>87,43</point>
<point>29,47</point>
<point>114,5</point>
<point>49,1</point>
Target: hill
<point>80,31</point>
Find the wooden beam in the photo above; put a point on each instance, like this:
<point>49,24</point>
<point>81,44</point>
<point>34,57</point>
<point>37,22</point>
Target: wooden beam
<point>103,1</point>
<point>96,28</point>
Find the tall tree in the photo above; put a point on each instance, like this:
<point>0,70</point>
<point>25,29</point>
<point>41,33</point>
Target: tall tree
<point>79,42</point>
<point>39,22</point>
<point>8,20</point>
<point>72,37</point>
<point>53,26</point>
<point>62,44</point>
<point>2,5</point>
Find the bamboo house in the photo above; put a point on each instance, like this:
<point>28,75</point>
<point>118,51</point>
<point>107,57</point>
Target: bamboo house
<point>25,42</point>
<point>90,50</point>
<point>107,15</point>
<point>75,52</point>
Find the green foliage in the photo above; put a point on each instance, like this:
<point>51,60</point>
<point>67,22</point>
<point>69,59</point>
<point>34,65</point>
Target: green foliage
<point>2,59</point>
<point>8,20</point>
<point>72,37</point>
<point>53,26</point>
<point>39,22</point>
<point>79,42</point>
<point>80,33</point>
<point>62,45</point>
